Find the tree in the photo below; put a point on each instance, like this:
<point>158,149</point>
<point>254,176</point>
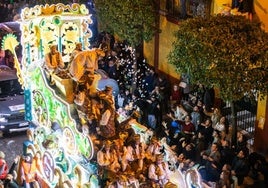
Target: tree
<point>228,52</point>
<point>132,20</point>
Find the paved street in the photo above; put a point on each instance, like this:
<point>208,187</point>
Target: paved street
<point>12,145</point>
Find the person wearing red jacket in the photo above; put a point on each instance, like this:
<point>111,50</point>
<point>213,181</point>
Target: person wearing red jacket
<point>3,166</point>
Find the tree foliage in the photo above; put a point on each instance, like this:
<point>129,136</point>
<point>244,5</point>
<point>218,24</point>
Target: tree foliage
<point>131,20</point>
<point>228,52</point>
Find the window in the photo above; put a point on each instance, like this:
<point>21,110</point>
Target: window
<point>183,9</point>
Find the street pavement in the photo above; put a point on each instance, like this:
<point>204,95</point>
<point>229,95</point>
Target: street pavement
<point>12,145</point>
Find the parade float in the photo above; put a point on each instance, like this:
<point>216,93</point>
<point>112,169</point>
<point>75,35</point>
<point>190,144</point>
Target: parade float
<point>55,135</point>
<point>61,151</point>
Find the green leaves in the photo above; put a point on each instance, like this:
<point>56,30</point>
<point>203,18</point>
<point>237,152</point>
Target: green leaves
<point>229,52</point>
<point>134,21</point>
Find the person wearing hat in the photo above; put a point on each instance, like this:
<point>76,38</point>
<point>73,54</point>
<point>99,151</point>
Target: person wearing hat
<point>78,48</point>
<point>107,111</point>
<point>107,120</point>
<point>137,149</point>
<point>107,161</point>
<point>153,149</point>
<point>103,155</point>
<point>3,166</point>
<point>159,172</point>
<point>53,62</point>
<point>28,170</point>
<point>53,59</point>
<point>107,96</point>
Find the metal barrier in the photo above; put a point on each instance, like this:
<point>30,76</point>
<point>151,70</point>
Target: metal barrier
<point>246,117</point>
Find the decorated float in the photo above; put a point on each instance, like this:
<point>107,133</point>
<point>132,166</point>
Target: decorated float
<point>56,136</point>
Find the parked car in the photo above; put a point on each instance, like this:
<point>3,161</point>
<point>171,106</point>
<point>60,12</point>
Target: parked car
<point>11,102</point>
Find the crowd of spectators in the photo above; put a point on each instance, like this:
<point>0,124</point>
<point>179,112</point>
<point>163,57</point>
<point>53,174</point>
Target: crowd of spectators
<point>197,133</point>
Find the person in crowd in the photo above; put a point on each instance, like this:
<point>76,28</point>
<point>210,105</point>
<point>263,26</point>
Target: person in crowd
<point>165,133</point>
<point>180,160</point>
<point>200,106</point>
<point>211,160</point>
<point>258,166</point>
<point>186,87</point>
<point>240,166</point>
<point>3,166</point>
<point>200,145</point>
<point>160,97</point>
<point>179,111</point>
<point>226,180</point>
<point>241,142</point>
<point>12,169</point>
<point>188,127</point>
<point>212,154</point>
<point>185,165</point>
<point>112,69</point>
<point>127,97</point>
<point>159,172</point>
<point>207,130</point>
<point>208,98</point>
<point>16,14</point>
<point>199,90</point>
<point>222,125</point>
<point>196,117</point>
<point>164,88</point>
<point>255,160</point>
<point>158,94</point>
<point>189,150</point>
<point>176,95</point>
<point>153,111</point>
<point>10,182</point>
<point>216,136</point>
<point>140,105</point>
<point>120,100</point>
<point>215,115</point>
<point>150,80</point>
<point>173,125</point>
<point>227,153</point>
<point>225,135</point>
